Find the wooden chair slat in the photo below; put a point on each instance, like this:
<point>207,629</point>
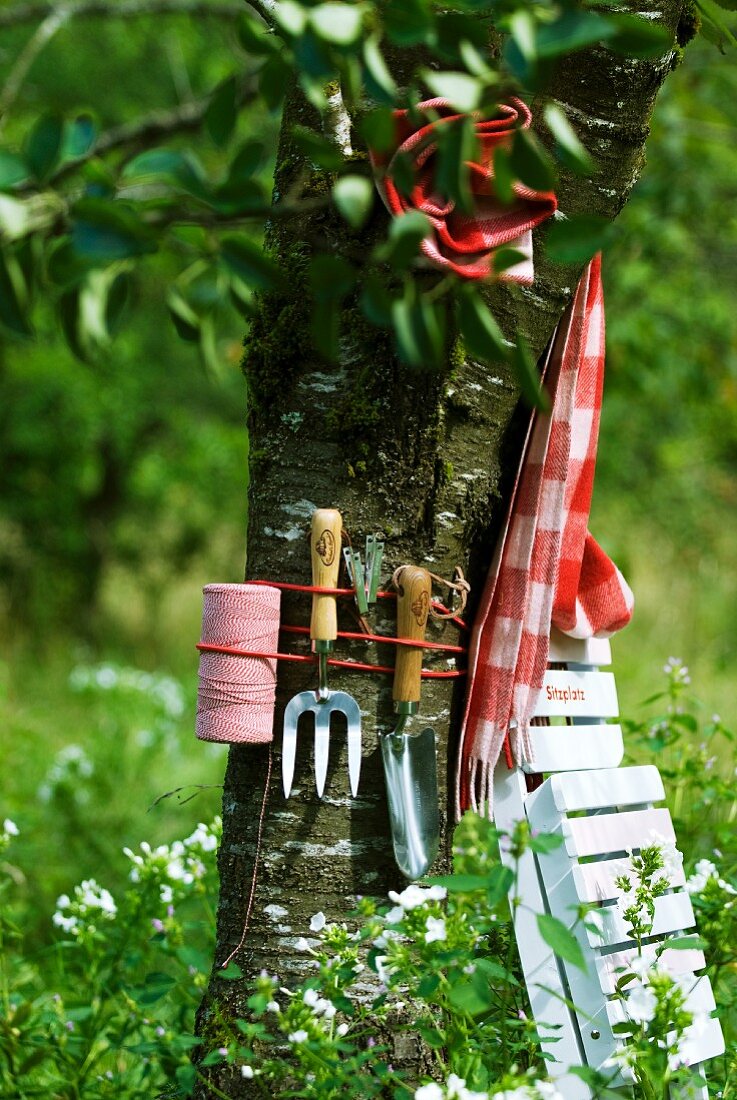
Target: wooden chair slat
<point>573,748</point>
<point>596,881</point>
<point>611,967</point>
<point>673,913</point>
<point>579,651</point>
<point>576,693</point>
<point>618,832</point>
<point>600,788</point>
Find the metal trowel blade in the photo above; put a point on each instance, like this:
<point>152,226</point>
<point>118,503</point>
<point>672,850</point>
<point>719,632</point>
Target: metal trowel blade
<point>411,774</point>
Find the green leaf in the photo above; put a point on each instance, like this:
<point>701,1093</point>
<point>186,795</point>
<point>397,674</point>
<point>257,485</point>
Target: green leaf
<point>434,1038</point>
<point>464,884</point>
<point>530,163</point>
<point>570,149</point>
<point>231,973</point>
<point>64,265</point>
<point>481,333</point>
<point>638,37</point>
<point>14,303</point>
<point>543,843</point>
<point>318,149</point>
<point>273,80</point>
<point>503,175</point>
<point>338,23</point>
<point>576,240</point>
<point>683,943</point>
<point>376,302</point>
<point>354,197</point>
<point>561,940</point>
<point>15,218</point>
<point>462,90</point>
<point>504,258</point>
<point>427,985</point>
<point>524,32</point>
<point>405,234</point>
<point>222,112</point>
<point>713,25</point>
<point>331,279</point>
<point>254,37</point>
<point>155,986</point>
<point>249,262</point>
<point>419,329</point>
<point>495,972</point>
<point>13,170</point>
<point>574,30</point>
<point>105,230</point>
<point>182,169</point>
<point>457,146</point>
<point>408,22</point>
<point>501,880</point>
<point>43,146</point>
<point>379,82</point>
<point>378,130</point>
<point>473,996</point>
<point>291,17</point>
<point>118,296</point>
<point>185,320</point>
<point>528,376</point>
<point>79,136</point>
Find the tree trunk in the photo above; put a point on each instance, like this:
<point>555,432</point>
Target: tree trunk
<point>423,459</point>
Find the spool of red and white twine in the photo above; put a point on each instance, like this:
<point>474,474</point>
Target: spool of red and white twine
<point>236,695</point>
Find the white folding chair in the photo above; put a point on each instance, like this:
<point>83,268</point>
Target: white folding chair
<point>601,810</point>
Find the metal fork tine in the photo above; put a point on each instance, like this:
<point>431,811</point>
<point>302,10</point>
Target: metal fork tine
<point>322,745</point>
<point>353,718</point>
<point>292,712</point>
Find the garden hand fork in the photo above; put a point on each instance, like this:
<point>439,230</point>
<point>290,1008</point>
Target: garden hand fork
<point>325,540</point>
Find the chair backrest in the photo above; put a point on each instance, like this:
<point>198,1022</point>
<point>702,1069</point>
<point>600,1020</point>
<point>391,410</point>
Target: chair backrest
<point>602,812</point>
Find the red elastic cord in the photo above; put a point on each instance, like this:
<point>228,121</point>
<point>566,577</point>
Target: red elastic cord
<point>357,636</point>
<point>357,666</point>
<point>313,588</point>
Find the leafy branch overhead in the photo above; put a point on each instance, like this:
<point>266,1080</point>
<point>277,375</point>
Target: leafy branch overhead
<point>85,201</point>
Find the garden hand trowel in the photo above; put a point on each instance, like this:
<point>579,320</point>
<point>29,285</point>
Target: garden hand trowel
<point>410,765</point>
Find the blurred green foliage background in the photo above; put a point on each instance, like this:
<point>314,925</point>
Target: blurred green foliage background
<point>123,481</point>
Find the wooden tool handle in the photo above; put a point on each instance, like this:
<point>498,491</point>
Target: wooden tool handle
<point>413,607</point>
<point>327,529</point>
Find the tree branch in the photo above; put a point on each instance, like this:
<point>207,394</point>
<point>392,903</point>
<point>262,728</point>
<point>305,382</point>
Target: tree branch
<point>51,24</point>
<point>127,9</point>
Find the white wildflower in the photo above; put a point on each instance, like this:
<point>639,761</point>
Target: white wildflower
<point>429,1092</point>
<point>10,828</point>
<point>247,1072</point>
<point>413,896</point>
<point>641,1004</point>
<point>342,1029</point>
<point>317,922</point>
<point>299,1036</point>
<point>435,929</point>
<point>273,1006</point>
<point>310,997</point>
<point>395,915</point>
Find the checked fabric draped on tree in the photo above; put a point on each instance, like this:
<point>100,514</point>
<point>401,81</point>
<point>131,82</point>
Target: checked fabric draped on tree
<point>547,569</point>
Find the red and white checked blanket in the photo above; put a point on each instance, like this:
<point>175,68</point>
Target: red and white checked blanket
<point>547,568</point>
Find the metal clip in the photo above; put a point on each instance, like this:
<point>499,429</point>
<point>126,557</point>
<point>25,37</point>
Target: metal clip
<point>357,578</point>
<point>374,556</point>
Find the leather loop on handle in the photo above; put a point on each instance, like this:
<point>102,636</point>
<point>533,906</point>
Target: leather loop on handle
<point>325,540</point>
<point>413,606</point>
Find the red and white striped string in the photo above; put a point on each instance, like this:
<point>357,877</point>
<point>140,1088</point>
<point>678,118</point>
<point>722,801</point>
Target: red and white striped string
<point>237,693</point>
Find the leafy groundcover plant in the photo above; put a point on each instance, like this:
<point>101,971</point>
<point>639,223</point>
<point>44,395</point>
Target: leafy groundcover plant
<point>107,1008</point>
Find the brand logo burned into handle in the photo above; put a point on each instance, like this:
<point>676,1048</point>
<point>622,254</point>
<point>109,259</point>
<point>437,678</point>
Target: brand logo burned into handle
<point>420,607</point>
<point>325,547</point>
